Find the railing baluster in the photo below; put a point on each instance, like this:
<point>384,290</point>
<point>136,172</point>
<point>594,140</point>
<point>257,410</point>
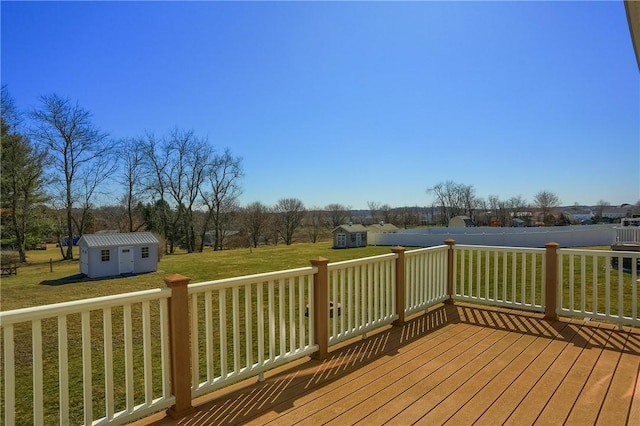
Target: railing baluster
<point>222,321</point>
<point>248,324</point>
<point>583,283</point>
<point>571,281</point>
<point>260,313</point>
<point>479,274</point>
<point>128,356</point>
<point>487,270</point>
<point>301,328</point>
<point>9,376</point>
<point>165,359</point>
<point>235,312</point>
<point>282,321</point>
<point>195,339</point>
<point>208,341</point>
<point>634,289</point>
<point>595,261</point>
<point>341,302</point>
<point>620,289</point>
<point>514,274</point>
<point>108,363</point>
<point>63,370</point>
<point>272,321</point>
<point>376,293</point>
<point>38,396</point>
<point>292,324</point>
<point>607,286</point>
<point>87,393</point>
<point>534,274</point>
<point>333,319</point>
<point>146,353</point>
<point>523,279</point>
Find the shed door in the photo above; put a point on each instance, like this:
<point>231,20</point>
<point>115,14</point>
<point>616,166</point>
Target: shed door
<point>341,240</point>
<point>358,240</point>
<point>126,259</point>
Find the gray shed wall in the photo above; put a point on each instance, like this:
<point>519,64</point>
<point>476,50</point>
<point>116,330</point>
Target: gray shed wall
<point>91,263</point>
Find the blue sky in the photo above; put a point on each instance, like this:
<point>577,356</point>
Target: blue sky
<point>350,102</point>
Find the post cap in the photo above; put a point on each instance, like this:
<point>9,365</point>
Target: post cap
<point>319,261</point>
<point>176,280</point>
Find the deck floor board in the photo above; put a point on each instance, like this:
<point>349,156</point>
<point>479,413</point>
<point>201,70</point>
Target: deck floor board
<point>457,364</point>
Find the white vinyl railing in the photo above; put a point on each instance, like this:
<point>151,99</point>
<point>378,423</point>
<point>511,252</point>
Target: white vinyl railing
<point>599,284</point>
<point>109,357</point>
<point>361,296</point>
<point>503,276</point>
<point>425,278</point>
<point>241,327</point>
<point>628,235</point>
<point>127,363</point>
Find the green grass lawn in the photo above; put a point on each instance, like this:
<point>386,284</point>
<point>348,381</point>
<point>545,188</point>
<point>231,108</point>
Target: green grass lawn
<point>35,284</point>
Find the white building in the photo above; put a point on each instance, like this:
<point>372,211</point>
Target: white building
<point>105,255</point>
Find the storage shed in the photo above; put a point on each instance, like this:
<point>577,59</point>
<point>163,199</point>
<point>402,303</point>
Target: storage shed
<point>349,236</point>
<point>105,255</point>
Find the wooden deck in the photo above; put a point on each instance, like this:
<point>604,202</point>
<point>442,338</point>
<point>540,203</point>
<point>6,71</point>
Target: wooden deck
<point>457,365</point>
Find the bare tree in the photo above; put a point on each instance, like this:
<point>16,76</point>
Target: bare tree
<point>80,152</point>
<point>175,170</point>
<point>290,213</point>
<point>132,158</point>
<point>546,201</point>
<point>455,199</point>
<point>254,221</point>
<point>387,214</point>
<point>156,165</point>
<point>409,216</point>
<point>90,180</point>
<point>220,194</point>
<point>374,207</point>
<point>337,214</point>
<point>315,222</point>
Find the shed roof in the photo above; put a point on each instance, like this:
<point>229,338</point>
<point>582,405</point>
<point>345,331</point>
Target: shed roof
<point>122,239</point>
<point>384,227</point>
<point>351,228</point>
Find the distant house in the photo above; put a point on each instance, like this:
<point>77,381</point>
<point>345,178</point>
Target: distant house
<point>382,228</point>
<point>349,236</point>
<point>105,255</point>
<point>461,222</point>
<point>517,223</point>
<point>617,212</point>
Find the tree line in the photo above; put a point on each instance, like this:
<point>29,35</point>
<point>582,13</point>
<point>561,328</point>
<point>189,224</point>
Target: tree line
<point>177,185</point>
<point>57,165</point>
<point>61,162</point>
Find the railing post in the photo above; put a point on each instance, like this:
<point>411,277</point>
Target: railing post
<point>450,259</point>
<point>321,307</point>
<point>180,348</point>
<point>551,281</point>
<point>400,284</point>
